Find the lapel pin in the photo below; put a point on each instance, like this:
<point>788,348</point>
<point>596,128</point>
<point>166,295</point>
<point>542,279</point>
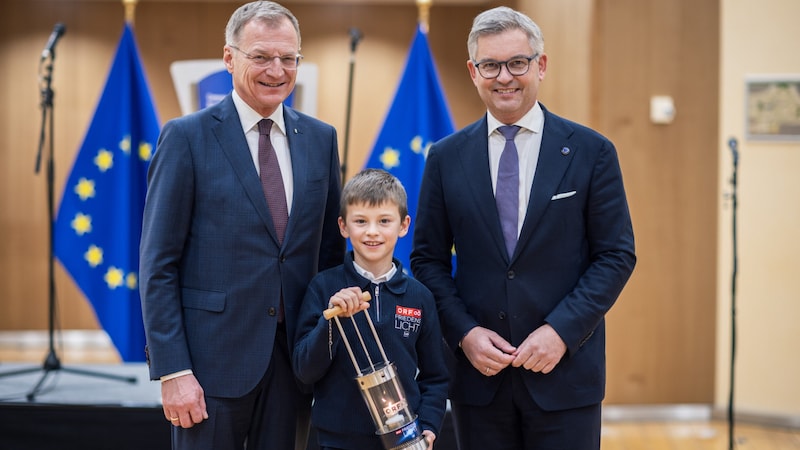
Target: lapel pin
<point>565,151</point>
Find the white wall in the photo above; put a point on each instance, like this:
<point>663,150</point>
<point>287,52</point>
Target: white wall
<point>759,37</point>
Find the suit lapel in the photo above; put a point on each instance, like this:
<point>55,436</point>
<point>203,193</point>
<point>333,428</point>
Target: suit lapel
<point>231,140</point>
<point>298,150</point>
<point>550,169</point>
<point>475,165</point>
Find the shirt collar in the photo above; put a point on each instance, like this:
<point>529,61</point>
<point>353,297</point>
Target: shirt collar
<point>376,280</point>
<point>532,121</point>
<point>250,118</point>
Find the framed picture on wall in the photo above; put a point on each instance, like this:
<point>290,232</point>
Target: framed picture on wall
<point>773,108</point>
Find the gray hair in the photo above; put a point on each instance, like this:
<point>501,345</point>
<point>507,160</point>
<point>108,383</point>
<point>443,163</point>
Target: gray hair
<point>265,11</point>
<point>374,187</point>
<point>500,19</point>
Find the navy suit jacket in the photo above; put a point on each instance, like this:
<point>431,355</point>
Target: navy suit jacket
<point>211,269</point>
<point>574,255</point>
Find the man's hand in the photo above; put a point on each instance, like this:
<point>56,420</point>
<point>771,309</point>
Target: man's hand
<point>541,351</point>
<point>488,352</point>
<point>183,400</point>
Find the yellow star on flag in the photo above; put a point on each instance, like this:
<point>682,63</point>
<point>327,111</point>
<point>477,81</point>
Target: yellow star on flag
<point>390,158</point>
<point>85,189</point>
<point>104,160</point>
<point>94,256</point>
<point>145,151</point>
<point>114,277</point>
<point>416,144</point>
<point>82,224</point>
<point>132,280</point>
<point>125,145</point>
<point>418,147</point>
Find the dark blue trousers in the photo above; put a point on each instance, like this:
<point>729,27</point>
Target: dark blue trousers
<point>275,415</point>
<point>513,421</point>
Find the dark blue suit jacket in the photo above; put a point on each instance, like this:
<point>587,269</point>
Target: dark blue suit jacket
<point>211,269</point>
<point>574,255</point>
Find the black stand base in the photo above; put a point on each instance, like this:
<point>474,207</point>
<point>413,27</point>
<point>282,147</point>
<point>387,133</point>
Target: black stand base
<point>52,364</point>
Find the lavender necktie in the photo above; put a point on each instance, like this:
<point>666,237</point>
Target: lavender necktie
<point>271,179</point>
<point>507,189</point>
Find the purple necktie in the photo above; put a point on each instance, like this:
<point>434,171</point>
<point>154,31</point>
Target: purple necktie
<point>272,183</point>
<point>271,179</point>
<point>507,189</point>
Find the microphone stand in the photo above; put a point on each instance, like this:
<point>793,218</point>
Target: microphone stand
<point>51,361</point>
<point>733,144</point>
<point>355,38</point>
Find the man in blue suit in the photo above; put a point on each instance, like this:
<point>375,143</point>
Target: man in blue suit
<point>524,311</point>
<point>223,270</point>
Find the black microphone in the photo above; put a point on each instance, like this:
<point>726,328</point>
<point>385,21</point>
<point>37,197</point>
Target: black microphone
<point>733,143</point>
<point>58,31</point>
<point>355,38</point>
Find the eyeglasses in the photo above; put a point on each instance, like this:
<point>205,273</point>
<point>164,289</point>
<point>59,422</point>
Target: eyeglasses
<point>288,62</point>
<point>516,66</point>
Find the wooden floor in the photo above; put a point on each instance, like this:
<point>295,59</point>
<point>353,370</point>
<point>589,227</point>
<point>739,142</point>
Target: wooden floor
<point>617,434</point>
<point>701,435</point>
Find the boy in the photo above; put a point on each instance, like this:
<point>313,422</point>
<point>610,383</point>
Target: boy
<point>373,216</point>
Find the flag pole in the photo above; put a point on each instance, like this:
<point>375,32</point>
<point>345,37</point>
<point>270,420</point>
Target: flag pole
<point>418,116</point>
<point>130,10</point>
<point>355,38</point>
<point>424,13</point>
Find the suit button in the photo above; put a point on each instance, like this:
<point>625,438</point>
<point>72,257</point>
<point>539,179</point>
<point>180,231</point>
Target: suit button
<point>283,258</point>
<point>272,311</point>
<point>510,275</point>
<point>502,315</point>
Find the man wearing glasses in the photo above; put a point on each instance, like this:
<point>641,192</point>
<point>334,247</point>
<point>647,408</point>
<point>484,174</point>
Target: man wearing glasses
<point>544,245</point>
<point>241,213</point>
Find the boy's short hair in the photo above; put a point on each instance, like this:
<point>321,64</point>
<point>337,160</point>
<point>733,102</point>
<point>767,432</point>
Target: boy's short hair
<point>374,187</point>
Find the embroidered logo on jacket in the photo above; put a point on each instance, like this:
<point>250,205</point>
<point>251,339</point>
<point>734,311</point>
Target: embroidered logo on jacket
<point>408,320</point>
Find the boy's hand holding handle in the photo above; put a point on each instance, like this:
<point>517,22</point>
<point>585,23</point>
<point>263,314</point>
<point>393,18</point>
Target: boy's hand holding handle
<point>336,310</point>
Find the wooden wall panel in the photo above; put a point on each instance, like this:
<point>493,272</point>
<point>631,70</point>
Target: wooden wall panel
<point>567,29</point>
<point>661,333</point>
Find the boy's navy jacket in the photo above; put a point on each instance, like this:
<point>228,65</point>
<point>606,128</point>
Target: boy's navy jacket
<point>404,314</point>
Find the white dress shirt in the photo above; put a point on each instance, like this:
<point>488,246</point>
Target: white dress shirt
<point>528,142</point>
<point>280,143</point>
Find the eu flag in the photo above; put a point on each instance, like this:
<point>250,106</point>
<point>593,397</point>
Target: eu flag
<point>417,118</point>
<point>99,222</point>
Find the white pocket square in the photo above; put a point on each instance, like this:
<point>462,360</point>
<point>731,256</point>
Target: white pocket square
<point>563,195</point>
